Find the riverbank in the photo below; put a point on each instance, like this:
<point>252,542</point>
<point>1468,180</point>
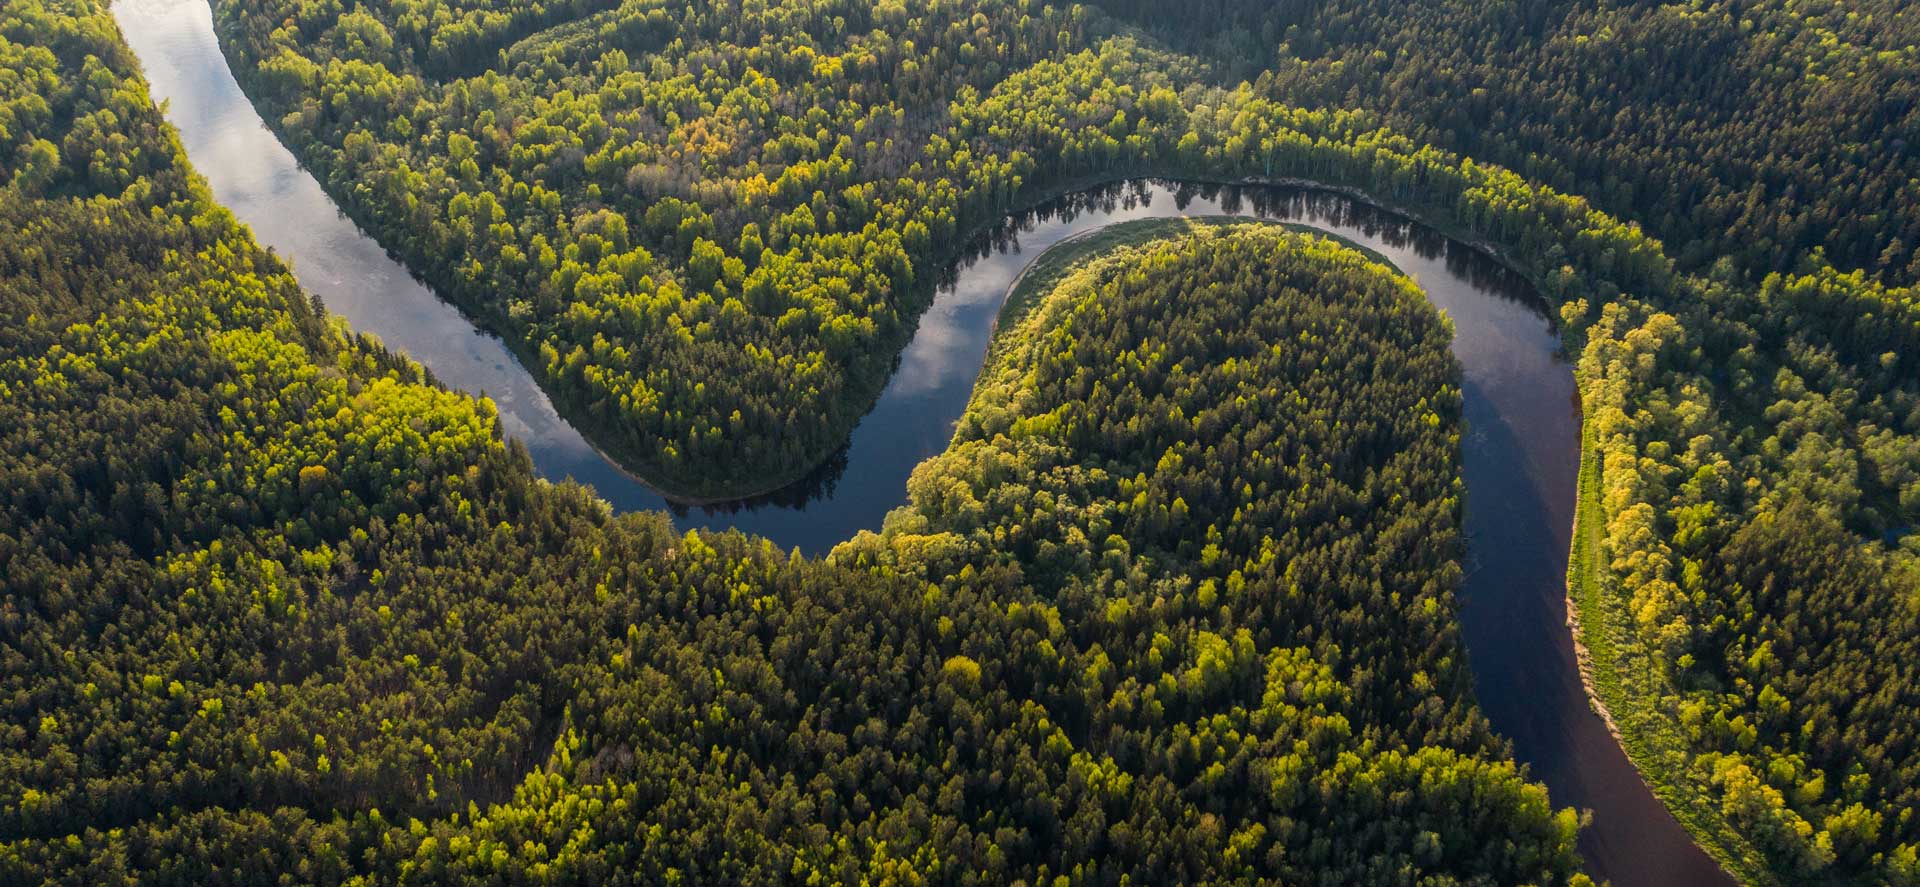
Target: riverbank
<point>1624,684</point>
<point>1025,303</point>
<point>1507,347</point>
<point>867,380</point>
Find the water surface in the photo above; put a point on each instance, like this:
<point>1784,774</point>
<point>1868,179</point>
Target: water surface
<point>1519,456</point>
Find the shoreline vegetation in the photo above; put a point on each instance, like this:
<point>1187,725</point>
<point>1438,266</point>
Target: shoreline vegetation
<point>286,610</point>
<point>1049,266</point>
<point>1749,406</point>
<point>1591,621</point>
<point>1708,827</point>
<point>1640,264</point>
<point>1617,677</point>
<point>1042,276</point>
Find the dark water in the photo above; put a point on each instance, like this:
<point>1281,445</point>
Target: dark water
<point>1519,457</point>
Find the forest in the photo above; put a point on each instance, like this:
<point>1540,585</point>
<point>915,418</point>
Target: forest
<point>685,179</point>
<point>1748,381</point>
<point>761,190</point>
<point>1754,131</point>
<point>272,596</point>
<point>280,610</point>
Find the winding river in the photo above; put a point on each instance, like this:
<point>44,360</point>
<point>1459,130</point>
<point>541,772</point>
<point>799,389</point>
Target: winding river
<point>1519,456</point>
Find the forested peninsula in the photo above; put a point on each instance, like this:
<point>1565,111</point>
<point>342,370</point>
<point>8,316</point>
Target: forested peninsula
<point>1177,603</point>
<point>257,628</point>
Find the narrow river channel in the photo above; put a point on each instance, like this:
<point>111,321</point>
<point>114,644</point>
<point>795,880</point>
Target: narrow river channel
<point>1520,453</point>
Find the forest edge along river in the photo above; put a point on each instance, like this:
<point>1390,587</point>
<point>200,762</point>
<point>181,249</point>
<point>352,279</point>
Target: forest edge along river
<point>1520,453</point>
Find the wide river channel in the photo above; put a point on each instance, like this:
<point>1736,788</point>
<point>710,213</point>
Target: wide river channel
<point>1520,454</point>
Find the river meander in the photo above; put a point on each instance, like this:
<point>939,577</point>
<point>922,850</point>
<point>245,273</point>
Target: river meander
<point>1519,454</point>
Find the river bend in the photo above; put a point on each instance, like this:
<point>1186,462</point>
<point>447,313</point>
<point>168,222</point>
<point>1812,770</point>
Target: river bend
<point>1519,454</point>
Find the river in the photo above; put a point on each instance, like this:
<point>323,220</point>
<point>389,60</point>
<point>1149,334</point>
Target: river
<point>1519,455</point>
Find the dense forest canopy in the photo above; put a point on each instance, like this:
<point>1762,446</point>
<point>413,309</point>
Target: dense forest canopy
<point>1753,131</point>
<point>744,200</point>
<point>272,598</point>
<point>681,179</point>
<point>277,609</point>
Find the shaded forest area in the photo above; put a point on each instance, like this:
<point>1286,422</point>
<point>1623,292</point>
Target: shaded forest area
<point>278,610</point>
<point>710,227</point>
<point>1755,376</point>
